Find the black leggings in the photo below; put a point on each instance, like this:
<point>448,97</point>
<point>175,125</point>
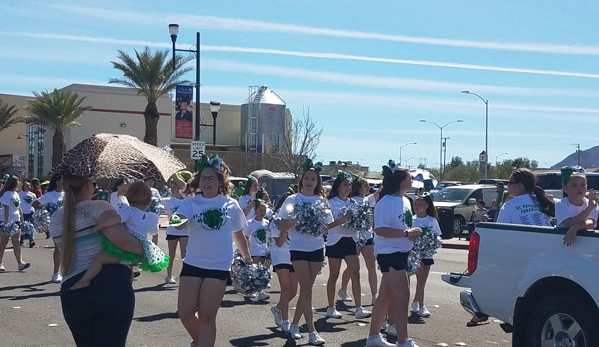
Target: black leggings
<point>101,314</point>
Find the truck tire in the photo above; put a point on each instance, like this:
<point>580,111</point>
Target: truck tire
<point>563,319</point>
<point>458,223</point>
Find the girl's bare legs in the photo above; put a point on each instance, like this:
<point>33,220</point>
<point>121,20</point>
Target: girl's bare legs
<point>3,244</point>
<point>306,273</point>
<point>16,246</point>
<point>353,266</point>
<point>368,254</point>
<point>421,277</point>
<point>381,305</point>
<point>211,296</point>
<point>187,305</point>
<point>288,283</point>
<point>334,268</point>
<point>398,281</point>
<point>172,253</point>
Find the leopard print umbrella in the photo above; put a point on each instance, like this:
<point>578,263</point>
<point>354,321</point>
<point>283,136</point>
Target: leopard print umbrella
<point>117,155</point>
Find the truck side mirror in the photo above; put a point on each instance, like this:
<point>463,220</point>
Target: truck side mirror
<point>472,201</point>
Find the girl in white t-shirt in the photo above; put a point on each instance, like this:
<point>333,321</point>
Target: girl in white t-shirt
<point>27,199</point>
<point>281,262</point>
<point>137,221</point>
<point>426,219</point>
<point>118,197</point>
<point>393,240</point>
<point>256,233</point>
<point>214,221</point>
<point>306,249</point>
<point>341,245</point>
<point>174,236</point>
<point>11,213</point>
<point>51,201</point>
<point>575,211</point>
<point>360,188</point>
<point>247,200</point>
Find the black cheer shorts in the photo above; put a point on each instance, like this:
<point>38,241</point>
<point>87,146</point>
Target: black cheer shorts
<point>346,246</point>
<point>398,261</point>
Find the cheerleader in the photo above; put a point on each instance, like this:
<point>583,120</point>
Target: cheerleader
<point>393,241</point>
<point>52,200</point>
<point>256,233</point>
<point>341,245</point>
<point>281,262</point>
<point>174,236</point>
<point>246,201</point>
<point>119,190</point>
<point>426,219</point>
<point>11,213</point>
<point>214,221</point>
<point>306,249</point>
<point>360,188</point>
<point>27,199</point>
<point>155,196</point>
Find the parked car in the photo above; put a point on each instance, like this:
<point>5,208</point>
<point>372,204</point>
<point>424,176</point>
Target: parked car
<point>493,181</point>
<point>455,205</point>
<point>546,294</point>
<point>445,184</point>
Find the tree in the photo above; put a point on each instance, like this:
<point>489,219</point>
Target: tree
<point>298,143</point>
<point>8,116</point>
<point>152,74</point>
<point>455,162</point>
<point>57,110</point>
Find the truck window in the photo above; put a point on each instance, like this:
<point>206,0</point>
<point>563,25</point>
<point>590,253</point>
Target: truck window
<point>477,194</point>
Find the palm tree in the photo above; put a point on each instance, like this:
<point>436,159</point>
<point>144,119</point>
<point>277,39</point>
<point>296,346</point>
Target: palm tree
<point>152,74</point>
<point>8,116</point>
<point>57,110</point>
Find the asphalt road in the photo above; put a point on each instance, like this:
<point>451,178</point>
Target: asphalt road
<point>30,312</point>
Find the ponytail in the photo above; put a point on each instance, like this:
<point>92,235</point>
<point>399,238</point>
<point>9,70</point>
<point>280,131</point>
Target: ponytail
<point>547,204</point>
<point>73,185</point>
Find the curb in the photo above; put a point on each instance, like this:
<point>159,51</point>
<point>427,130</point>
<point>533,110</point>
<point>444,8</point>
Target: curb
<point>452,245</point>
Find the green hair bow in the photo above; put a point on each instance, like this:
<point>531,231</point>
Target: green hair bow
<point>389,168</point>
<point>344,175</point>
<point>214,161</point>
<point>309,165</point>
<point>567,171</point>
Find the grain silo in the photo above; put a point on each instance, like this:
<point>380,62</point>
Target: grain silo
<point>264,118</point>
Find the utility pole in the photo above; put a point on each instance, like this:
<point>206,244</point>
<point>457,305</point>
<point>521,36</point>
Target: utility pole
<point>445,151</point>
<point>577,145</point>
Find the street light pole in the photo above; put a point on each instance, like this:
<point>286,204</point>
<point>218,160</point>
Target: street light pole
<point>441,142</point>
<point>497,158</point>
<point>400,148</point>
<point>486,130</point>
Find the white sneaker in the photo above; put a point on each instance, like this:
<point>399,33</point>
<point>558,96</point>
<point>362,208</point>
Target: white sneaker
<point>170,280</point>
<point>391,330</point>
<point>343,295</point>
<point>362,313</point>
<point>314,339</point>
<point>2,267</point>
<point>333,313</point>
<point>277,314</point>
<point>24,266</point>
<point>285,326</point>
<point>378,341</point>
<point>424,312</point>
<point>263,296</point>
<point>408,343</point>
<point>56,278</point>
<point>294,331</point>
<point>415,306</point>
<point>251,296</point>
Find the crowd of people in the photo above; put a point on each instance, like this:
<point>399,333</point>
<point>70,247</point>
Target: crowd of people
<point>98,243</point>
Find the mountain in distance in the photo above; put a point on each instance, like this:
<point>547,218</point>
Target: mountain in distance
<point>589,158</point>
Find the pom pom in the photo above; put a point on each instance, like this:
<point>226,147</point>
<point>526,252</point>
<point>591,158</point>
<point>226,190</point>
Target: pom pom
<point>310,217</point>
<point>427,244</point>
<point>413,263</point>
<point>28,228</point>
<point>9,229</point>
<point>248,278</point>
<point>165,192</point>
<point>361,216</point>
<point>53,207</point>
<point>41,221</point>
<point>155,207</point>
<point>363,236</point>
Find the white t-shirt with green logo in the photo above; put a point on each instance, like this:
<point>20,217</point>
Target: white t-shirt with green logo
<point>523,210</point>
<point>256,232</point>
<point>12,200</point>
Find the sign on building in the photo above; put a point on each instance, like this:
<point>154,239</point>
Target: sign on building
<point>184,112</point>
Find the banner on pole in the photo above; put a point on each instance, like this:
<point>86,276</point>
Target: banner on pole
<point>184,112</point>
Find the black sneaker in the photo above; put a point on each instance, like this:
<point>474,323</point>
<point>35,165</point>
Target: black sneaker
<point>31,244</point>
<point>136,274</point>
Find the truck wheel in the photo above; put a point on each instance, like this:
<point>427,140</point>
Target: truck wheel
<point>563,319</point>
<point>458,223</point>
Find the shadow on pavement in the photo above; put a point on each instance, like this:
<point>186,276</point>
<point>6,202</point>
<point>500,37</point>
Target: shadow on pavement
<point>157,288</point>
<point>259,340</point>
<point>27,287</point>
<point>158,317</point>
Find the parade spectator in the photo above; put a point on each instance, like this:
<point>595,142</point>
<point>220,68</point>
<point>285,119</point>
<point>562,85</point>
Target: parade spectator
<point>101,314</point>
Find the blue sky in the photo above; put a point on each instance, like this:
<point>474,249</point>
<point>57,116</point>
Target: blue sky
<point>367,70</point>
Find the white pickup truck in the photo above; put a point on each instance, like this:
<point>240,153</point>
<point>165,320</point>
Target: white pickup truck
<point>546,293</point>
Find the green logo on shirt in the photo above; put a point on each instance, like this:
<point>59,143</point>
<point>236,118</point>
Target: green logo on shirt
<point>260,235</point>
<point>16,202</point>
<point>409,218</point>
<point>28,199</point>
<point>213,218</point>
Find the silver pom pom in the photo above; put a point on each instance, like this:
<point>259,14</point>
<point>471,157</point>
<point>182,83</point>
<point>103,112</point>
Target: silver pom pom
<point>41,221</point>
<point>9,229</point>
<point>310,217</point>
<point>248,278</point>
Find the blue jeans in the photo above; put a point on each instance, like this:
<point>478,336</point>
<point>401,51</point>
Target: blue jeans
<point>101,314</point>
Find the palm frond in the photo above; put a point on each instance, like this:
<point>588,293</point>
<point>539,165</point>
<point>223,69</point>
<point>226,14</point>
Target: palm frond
<point>8,115</point>
<point>57,110</point>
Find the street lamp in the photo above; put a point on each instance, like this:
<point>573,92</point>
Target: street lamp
<point>400,147</point>
<point>486,130</point>
<point>20,137</point>
<point>173,30</point>
<point>497,157</point>
<point>441,146</point>
<point>214,107</point>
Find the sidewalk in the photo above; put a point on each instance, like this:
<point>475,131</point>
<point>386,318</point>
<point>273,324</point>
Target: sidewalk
<point>455,243</point>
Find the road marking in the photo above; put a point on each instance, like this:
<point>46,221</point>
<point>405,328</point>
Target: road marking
<point>17,307</point>
<point>495,343</point>
<point>460,344</point>
<point>52,325</point>
<point>442,344</point>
